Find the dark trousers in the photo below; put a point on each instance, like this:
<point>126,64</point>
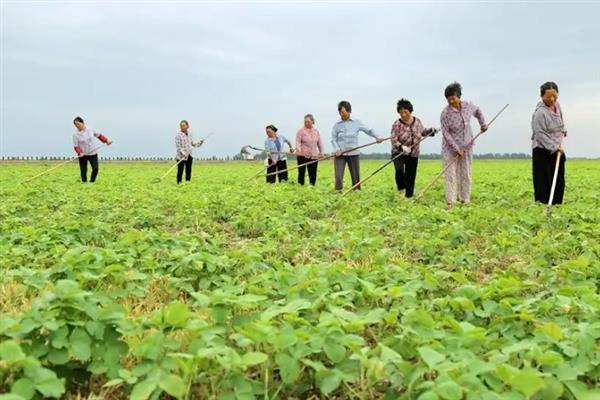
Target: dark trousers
<point>543,164</point>
<point>312,170</point>
<point>187,165</point>
<point>339,164</point>
<point>280,165</point>
<point>83,167</point>
<point>406,173</point>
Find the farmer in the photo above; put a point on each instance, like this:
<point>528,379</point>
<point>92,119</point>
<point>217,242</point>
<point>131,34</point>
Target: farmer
<point>83,144</point>
<point>185,145</point>
<point>548,132</point>
<point>407,133</point>
<point>344,136</point>
<point>276,159</point>
<point>309,146</point>
<point>457,148</point>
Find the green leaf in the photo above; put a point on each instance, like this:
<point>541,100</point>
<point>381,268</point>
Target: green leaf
<point>423,317</point>
<point>58,356</point>
<point>289,368</point>
<point>47,383</point>
<point>24,387</point>
<point>553,390</point>
<point>173,385</point>
<point>177,314</point>
<point>11,396</point>
<point>254,358</point>
<point>59,337</point>
<point>10,351</point>
<point>285,340</point>
<point>581,392</point>
<point>389,355</point>
<point>430,356</point>
<point>552,330</point>
<point>80,344</point>
<point>527,381</point>
<point>220,313</point>
<point>243,387</point>
<point>449,391</point>
<point>335,351</point>
<point>550,358</point>
<point>565,372</point>
<point>328,380</point>
<point>143,390</point>
<point>592,394</point>
<point>429,395</point>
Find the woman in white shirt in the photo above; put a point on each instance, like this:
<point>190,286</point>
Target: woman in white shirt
<point>83,143</point>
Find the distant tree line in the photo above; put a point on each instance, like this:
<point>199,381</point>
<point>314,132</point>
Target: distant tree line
<point>115,158</point>
<point>438,156</point>
<point>430,156</point>
<point>262,156</point>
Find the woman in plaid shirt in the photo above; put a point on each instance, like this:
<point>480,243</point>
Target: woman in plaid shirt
<point>407,133</point>
<point>185,144</point>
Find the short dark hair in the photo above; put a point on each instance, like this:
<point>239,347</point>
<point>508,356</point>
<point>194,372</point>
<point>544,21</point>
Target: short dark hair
<point>271,127</point>
<point>184,121</point>
<point>78,119</point>
<point>404,104</point>
<point>453,89</point>
<point>346,105</point>
<point>548,86</point>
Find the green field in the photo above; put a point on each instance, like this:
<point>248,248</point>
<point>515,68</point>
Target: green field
<point>234,289</point>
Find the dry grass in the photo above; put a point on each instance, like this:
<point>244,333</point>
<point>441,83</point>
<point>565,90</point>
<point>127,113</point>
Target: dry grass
<point>158,293</point>
<point>14,298</point>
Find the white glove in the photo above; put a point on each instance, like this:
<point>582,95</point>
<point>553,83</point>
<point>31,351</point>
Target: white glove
<point>406,149</point>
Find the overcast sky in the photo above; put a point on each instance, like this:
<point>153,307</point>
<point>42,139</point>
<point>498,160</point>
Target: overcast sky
<point>133,69</point>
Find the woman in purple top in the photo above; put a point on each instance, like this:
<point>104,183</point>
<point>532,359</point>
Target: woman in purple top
<point>456,143</point>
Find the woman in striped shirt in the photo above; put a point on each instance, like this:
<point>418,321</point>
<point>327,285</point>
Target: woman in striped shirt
<point>184,145</point>
<point>83,143</point>
<point>407,134</point>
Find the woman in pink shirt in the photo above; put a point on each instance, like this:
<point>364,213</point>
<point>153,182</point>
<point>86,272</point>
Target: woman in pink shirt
<point>309,146</point>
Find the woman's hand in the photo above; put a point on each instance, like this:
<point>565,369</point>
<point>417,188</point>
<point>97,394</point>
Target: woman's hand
<point>484,127</point>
